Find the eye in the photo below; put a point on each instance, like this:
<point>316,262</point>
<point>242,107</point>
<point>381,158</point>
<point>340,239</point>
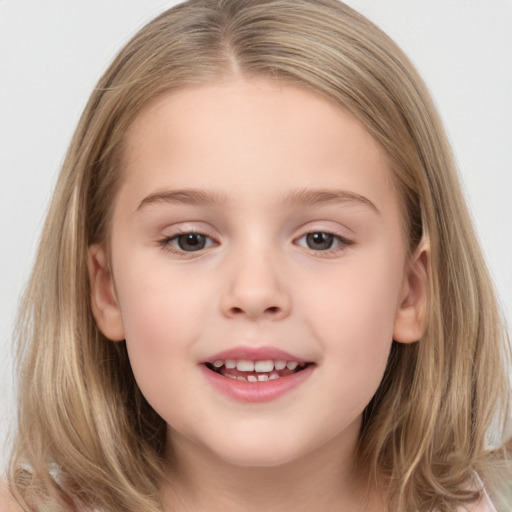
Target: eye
<point>190,241</point>
<point>323,241</point>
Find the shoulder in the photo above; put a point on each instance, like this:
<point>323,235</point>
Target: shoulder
<point>7,502</point>
<point>484,505</point>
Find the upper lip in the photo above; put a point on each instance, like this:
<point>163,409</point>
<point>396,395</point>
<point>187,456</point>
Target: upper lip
<point>248,353</point>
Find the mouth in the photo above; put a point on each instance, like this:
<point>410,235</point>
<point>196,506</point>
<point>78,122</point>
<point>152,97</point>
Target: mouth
<point>255,371</point>
<point>256,374</point>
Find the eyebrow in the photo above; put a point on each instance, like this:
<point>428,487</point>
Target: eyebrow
<point>295,198</point>
<point>190,196</point>
<point>313,197</point>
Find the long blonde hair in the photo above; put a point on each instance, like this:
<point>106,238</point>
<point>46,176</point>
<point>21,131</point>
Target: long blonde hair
<point>86,433</point>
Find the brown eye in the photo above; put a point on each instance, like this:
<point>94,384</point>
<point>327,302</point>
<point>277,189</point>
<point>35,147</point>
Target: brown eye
<point>322,241</point>
<point>186,242</point>
<point>191,242</point>
<point>319,241</point>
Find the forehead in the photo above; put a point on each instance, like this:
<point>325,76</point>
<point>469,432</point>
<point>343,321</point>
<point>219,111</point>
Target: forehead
<point>246,138</point>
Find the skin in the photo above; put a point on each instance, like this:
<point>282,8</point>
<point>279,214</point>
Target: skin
<point>7,502</point>
<point>258,281</point>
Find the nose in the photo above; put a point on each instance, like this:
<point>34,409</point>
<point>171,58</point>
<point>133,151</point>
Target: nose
<point>255,289</point>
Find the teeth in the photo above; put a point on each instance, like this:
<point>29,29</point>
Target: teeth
<point>264,366</point>
<point>273,375</point>
<point>252,378</point>
<point>245,366</point>
<point>263,377</point>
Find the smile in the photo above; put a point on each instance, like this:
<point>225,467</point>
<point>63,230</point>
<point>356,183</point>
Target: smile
<point>256,375</point>
<point>255,371</point>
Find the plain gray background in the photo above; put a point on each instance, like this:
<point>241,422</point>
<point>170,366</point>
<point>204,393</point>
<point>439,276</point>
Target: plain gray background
<point>53,52</point>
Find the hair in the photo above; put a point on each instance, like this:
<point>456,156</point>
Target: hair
<point>85,432</point>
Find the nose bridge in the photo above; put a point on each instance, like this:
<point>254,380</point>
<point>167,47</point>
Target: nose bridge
<point>255,286</point>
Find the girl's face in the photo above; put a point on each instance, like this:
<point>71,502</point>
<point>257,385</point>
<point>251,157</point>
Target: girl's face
<point>256,222</point>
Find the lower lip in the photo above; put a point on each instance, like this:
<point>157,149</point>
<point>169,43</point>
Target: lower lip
<point>256,392</point>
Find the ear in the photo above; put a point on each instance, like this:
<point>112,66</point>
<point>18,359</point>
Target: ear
<point>103,295</point>
<point>411,317</point>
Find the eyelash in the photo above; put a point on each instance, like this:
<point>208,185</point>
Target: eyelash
<point>343,242</point>
<point>165,243</point>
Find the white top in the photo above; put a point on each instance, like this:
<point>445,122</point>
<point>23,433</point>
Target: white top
<point>484,505</point>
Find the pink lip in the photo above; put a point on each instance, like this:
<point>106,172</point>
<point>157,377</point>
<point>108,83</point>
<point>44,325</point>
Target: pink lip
<point>254,354</point>
<point>256,391</point>
<point>261,391</point>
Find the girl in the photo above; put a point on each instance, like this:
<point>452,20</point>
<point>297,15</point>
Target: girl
<point>258,287</point>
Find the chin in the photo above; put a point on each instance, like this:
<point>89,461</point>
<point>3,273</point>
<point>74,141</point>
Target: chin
<point>258,451</point>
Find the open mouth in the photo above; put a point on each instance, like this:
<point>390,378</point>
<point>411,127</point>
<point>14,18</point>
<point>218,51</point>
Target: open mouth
<point>255,371</point>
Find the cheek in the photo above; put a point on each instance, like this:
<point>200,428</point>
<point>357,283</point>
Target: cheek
<point>353,317</point>
<point>161,314</point>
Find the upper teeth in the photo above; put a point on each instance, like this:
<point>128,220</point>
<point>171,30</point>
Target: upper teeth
<point>244,365</point>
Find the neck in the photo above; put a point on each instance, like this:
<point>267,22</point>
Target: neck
<point>324,479</point>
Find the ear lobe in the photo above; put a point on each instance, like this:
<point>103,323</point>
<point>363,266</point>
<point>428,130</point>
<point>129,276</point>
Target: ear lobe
<point>103,296</point>
<point>411,317</point>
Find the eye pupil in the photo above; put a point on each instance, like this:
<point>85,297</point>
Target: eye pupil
<point>319,240</point>
<point>191,242</point>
